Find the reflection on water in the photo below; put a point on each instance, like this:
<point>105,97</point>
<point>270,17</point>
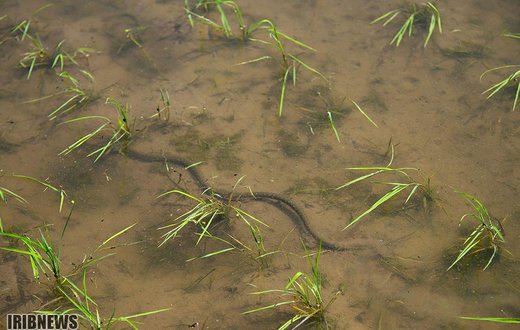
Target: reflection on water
<point>426,101</point>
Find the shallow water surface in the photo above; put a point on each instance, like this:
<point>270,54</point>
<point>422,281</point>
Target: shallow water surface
<point>391,273</point>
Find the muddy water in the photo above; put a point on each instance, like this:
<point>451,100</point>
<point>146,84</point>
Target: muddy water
<point>427,101</point>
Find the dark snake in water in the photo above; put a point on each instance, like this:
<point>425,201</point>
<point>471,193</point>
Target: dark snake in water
<point>281,202</point>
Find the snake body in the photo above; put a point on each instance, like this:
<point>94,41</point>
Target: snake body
<point>281,202</point>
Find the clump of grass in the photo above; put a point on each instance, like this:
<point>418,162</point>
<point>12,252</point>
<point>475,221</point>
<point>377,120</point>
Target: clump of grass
<point>210,209</point>
<point>486,236</point>
<point>43,254</point>
<point>288,61</point>
<point>305,296</point>
<point>38,56</point>
<point>414,15</point>
<point>79,96</point>
<point>199,10</point>
<point>78,301</point>
<point>511,82</point>
<point>397,186</point>
<point>120,131</point>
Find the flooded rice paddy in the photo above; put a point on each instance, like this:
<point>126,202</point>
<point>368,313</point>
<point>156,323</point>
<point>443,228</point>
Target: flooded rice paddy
<point>387,271</point>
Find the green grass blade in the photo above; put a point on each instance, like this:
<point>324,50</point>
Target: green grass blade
<point>306,66</point>
<point>392,14</point>
<point>364,114</point>
<point>116,235</point>
<point>282,94</point>
<point>268,307</point>
<point>333,126</point>
<point>389,195</point>
<point>212,254</point>
<point>510,320</point>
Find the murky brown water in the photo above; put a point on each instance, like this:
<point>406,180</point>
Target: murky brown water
<point>426,100</point>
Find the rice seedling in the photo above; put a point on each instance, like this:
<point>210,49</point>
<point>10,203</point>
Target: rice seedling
<point>43,254</point>
<point>79,96</point>
<point>508,320</point>
<point>133,39</point>
<point>210,209</point>
<point>415,15</point>
<point>397,187</point>
<point>120,132</point>
<point>22,28</point>
<point>289,62</point>
<point>193,13</point>
<point>511,82</point>
<point>486,236</point>
<point>76,300</point>
<point>47,185</point>
<point>39,56</point>
<point>305,296</point>
<point>163,110</point>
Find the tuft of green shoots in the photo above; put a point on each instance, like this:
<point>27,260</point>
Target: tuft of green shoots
<point>487,235</point>
<point>222,7</point>
<point>289,62</point>
<point>396,187</point>
<point>210,209</point>
<point>44,256</point>
<point>79,96</point>
<point>39,56</point>
<point>305,296</point>
<point>416,14</point>
<point>120,132</point>
<point>512,81</point>
<point>79,302</point>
